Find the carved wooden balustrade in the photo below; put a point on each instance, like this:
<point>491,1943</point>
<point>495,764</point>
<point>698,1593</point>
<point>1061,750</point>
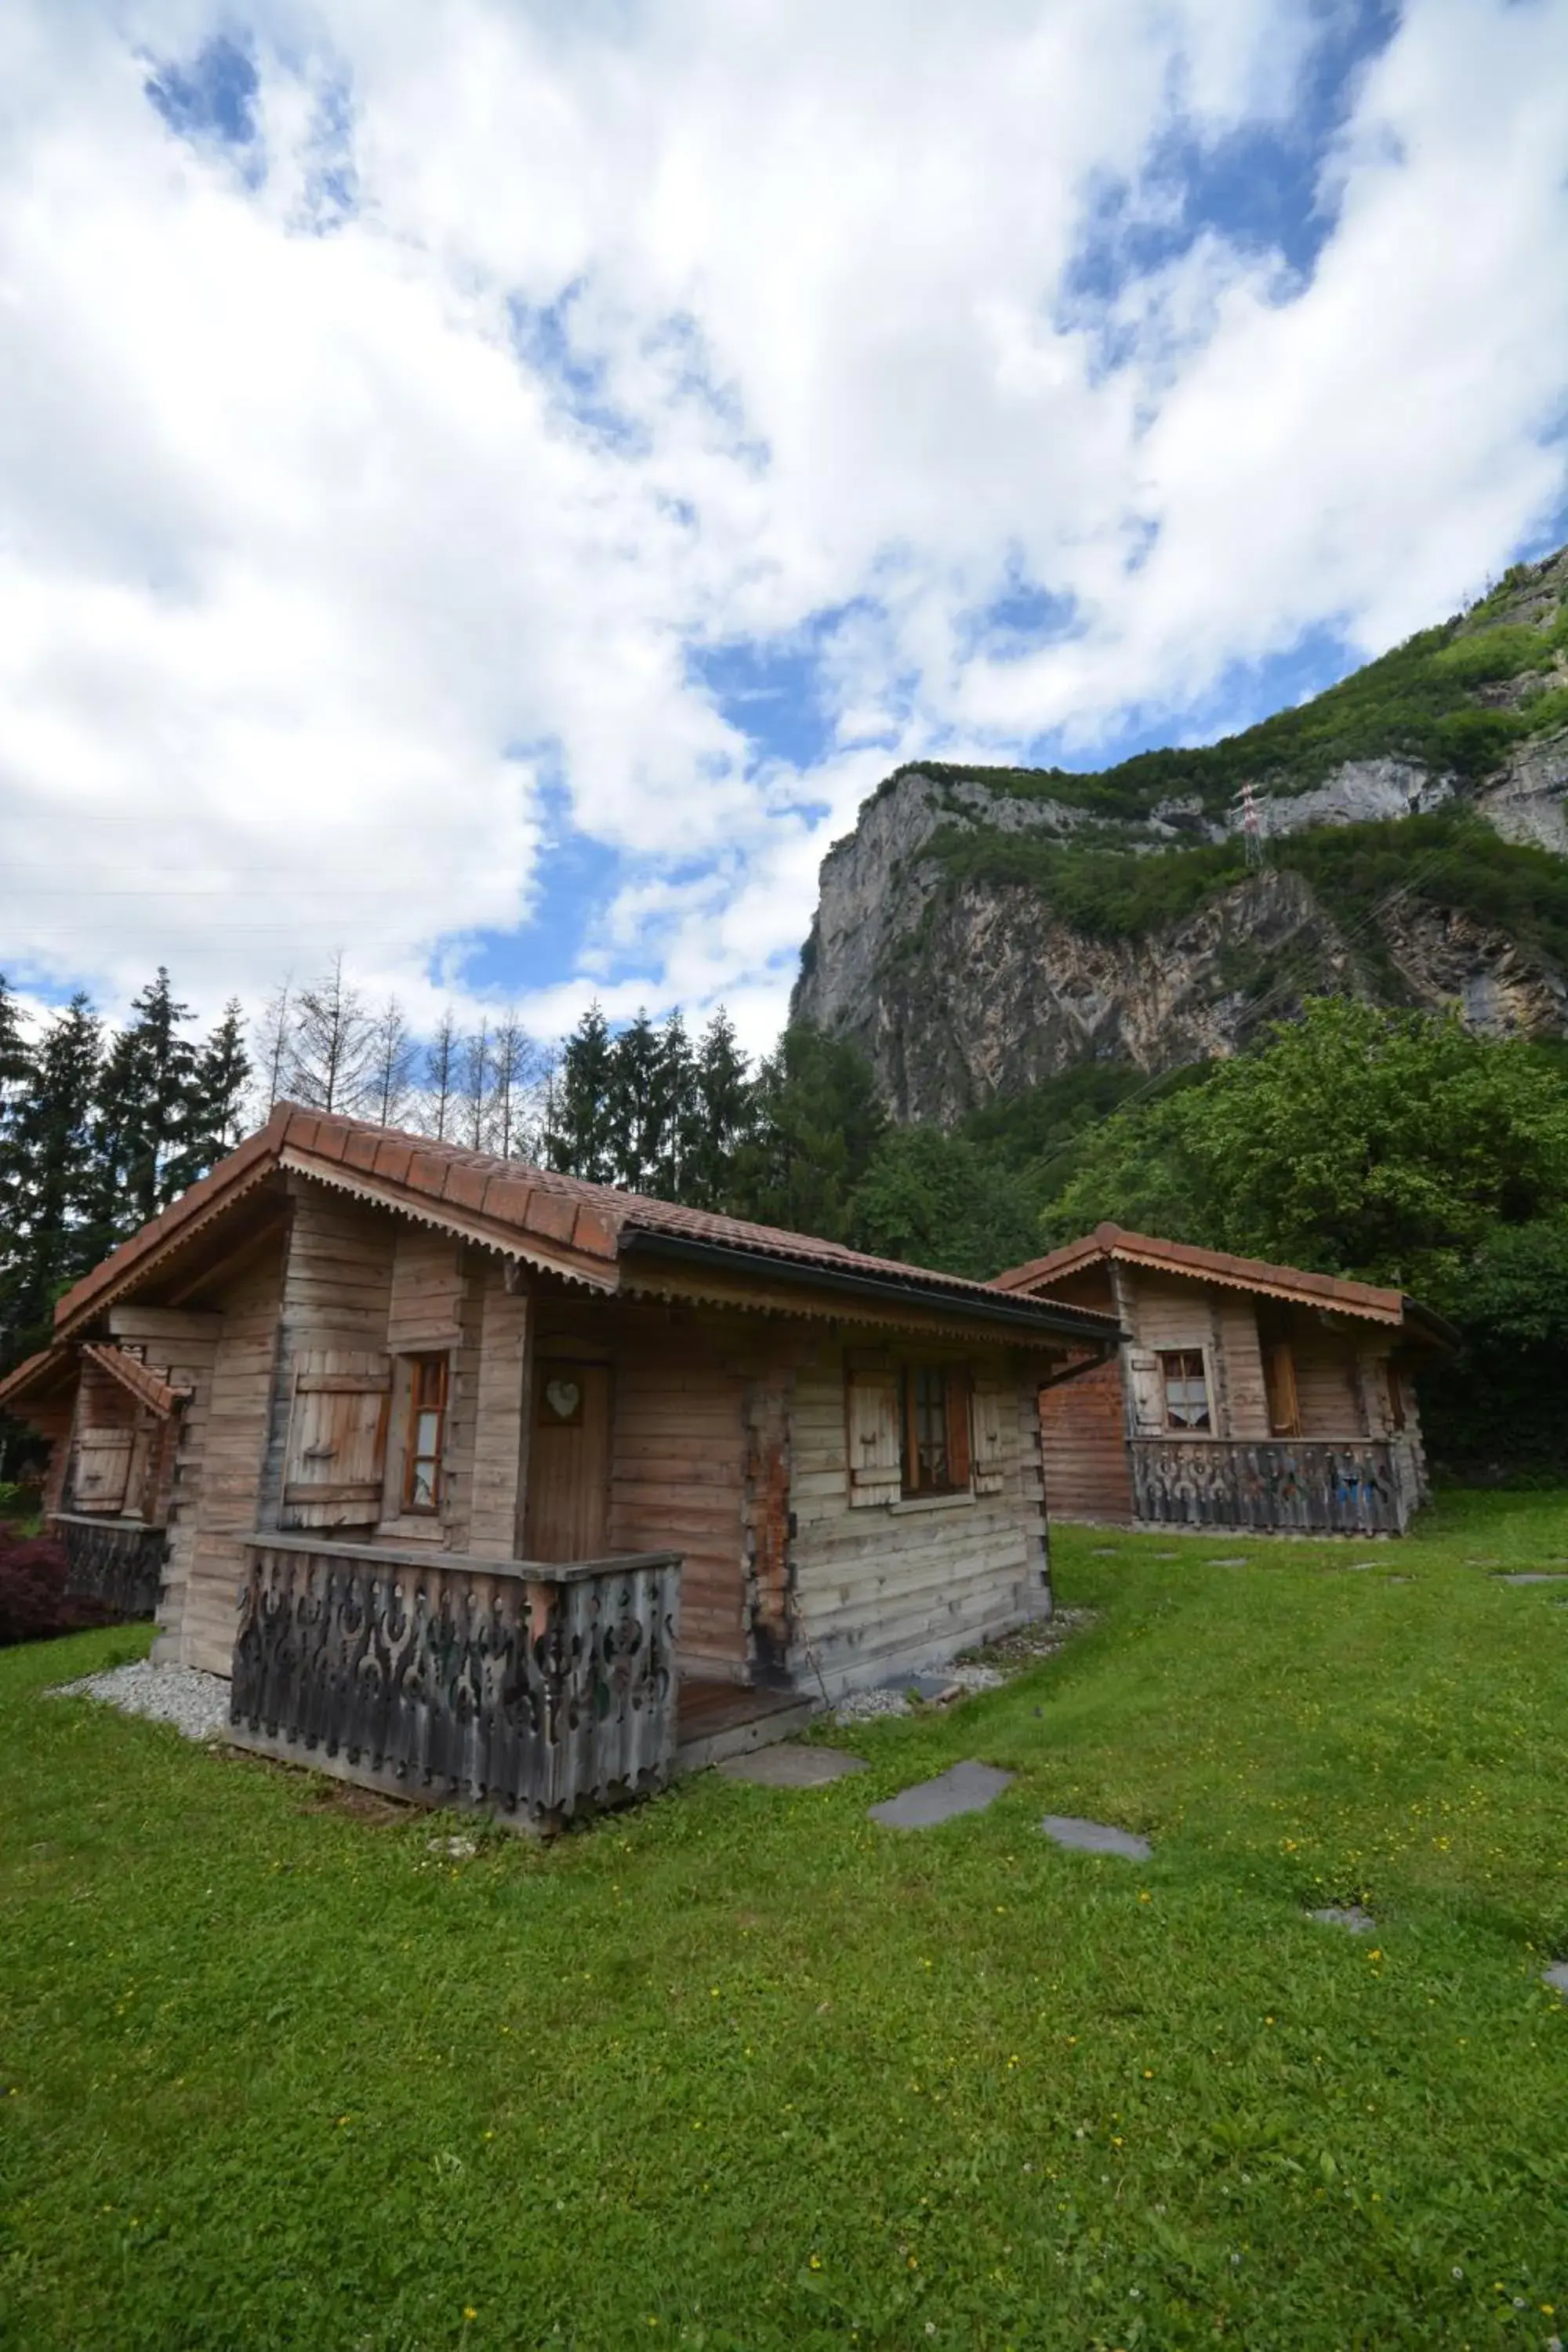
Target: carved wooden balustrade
<point>117,1562</point>
<point>1357,1487</point>
<point>537,1691</point>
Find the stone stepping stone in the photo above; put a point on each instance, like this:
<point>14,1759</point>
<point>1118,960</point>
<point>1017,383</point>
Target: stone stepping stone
<point>963,1789</point>
<point>1556,1976</point>
<point>785,1766</point>
<point>1346,1915</point>
<point>929,1688</point>
<point>1094,1837</point>
<point>1237,1562</point>
<point>1536,1576</point>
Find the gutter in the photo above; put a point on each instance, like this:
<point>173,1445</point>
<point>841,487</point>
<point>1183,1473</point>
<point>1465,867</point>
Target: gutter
<point>1033,1318</point>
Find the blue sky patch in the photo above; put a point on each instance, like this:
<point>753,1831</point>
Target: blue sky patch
<point>544,338</point>
<point>212,97</point>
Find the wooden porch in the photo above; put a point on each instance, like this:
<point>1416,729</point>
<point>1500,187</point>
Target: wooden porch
<point>117,1562</point>
<point>1340,1486</point>
<point>537,1690</point>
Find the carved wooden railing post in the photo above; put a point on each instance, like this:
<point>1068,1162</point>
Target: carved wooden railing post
<point>539,1691</point>
<point>117,1562</point>
<point>1357,1487</point>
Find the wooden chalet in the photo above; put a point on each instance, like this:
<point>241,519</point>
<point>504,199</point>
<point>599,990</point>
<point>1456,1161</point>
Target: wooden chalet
<point>487,1484</point>
<point>1243,1394</point>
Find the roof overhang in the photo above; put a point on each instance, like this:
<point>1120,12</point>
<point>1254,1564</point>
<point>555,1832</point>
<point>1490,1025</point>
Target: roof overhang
<point>1020,1320</point>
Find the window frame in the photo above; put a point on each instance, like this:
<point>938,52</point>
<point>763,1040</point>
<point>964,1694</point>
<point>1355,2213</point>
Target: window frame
<point>948,1386</point>
<point>439,1363</point>
<point>1186,1356</point>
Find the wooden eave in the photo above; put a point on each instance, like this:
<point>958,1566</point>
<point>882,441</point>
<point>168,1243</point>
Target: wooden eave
<point>1114,1243</point>
<point>36,1376</point>
<point>523,1249</point>
<point>146,1386</point>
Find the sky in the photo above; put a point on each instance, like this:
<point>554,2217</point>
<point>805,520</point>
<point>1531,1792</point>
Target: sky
<point>491,485</point>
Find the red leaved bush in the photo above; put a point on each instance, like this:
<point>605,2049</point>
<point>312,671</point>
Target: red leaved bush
<point>33,1602</point>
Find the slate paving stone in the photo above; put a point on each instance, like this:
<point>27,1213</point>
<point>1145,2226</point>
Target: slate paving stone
<point>1536,1576</point>
<point>1094,1837</point>
<point>787,1767</point>
<point>963,1789</point>
<point>1556,1976</point>
<point>926,1686</point>
<point>1346,1915</point>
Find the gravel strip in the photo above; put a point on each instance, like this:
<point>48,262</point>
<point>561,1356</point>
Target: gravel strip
<point>193,1703</point>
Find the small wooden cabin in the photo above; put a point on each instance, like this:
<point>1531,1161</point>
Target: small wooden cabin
<point>483,1481</point>
<point>1243,1394</point>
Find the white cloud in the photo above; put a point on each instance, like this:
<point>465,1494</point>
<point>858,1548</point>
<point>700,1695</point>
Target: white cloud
<point>313,579</point>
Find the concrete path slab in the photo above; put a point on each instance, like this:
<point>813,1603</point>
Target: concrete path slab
<point>792,1768</point>
<point>1094,1837</point>
<point>1536,1576</point>
<point>964,1788</point>
<point>1230,1560</point>
<point>1556,1976</point>
<point>1346,1915</point>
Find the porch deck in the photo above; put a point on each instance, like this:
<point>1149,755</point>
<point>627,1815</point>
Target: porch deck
<point>713,1720</point>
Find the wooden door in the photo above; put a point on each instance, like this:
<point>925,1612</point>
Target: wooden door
<point>566,1515</point>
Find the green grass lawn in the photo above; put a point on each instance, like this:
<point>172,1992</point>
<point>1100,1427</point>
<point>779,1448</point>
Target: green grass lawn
<point>739,2069</point>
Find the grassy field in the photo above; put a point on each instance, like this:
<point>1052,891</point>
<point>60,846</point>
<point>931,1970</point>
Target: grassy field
<point>741,2070</point>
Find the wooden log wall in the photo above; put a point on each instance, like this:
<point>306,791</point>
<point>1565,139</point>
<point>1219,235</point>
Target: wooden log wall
<point>678,1480</point>
<point>1083,1433</point>
<point>1171,1311</point>
<point>216,1483</point>
<point>503,1389</point>
<point>888,1587</point>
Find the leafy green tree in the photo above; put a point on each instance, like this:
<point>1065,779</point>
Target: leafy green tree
<point>1360,1141</point>
<point>940,1201</point>
<point>1498,1407</point>
<point>819,1123</point>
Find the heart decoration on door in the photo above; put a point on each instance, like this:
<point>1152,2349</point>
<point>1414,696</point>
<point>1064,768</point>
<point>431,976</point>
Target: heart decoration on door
<point>562,1397</point>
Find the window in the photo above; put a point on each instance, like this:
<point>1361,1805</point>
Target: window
<point>427,1433</point>
<point>935,1430</point>
<point>1186,1388</point>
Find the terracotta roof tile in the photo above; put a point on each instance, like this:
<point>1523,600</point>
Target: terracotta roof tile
<point>363,1147</point>
<point>393,1154</point>
<point>465,1187</point>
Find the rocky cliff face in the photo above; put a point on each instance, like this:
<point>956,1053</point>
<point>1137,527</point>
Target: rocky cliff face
<point>960,989</point>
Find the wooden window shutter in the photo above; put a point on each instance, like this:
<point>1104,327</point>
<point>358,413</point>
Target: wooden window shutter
<point>990,1446</point>
<point>1284,1407</point>
<point>959,1460</point>
<point>1145,1392</point>
<point>102,1469</point>
<point>336,1459</point>
<point>875,1437</point>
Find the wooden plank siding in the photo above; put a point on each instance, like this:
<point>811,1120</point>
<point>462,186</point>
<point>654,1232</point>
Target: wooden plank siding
<point>677,1479</point>
<point>1083,1433</point>
<point>888,1588</point>
<point>215,1479</point>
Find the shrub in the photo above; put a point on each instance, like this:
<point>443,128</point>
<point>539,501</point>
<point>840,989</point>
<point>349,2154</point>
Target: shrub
<point>33,1602</point>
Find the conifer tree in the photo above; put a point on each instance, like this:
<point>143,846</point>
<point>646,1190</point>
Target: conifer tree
<point>725,1115</point>
<point>51,1122</point>
<point>391,1066</point>
<point>331,1048</point>
<point>441,1076</point>
<point>633,1108</point>
<point>513,1061</point>
<point>219,1084</point>
<point>579,1138</point>
<point>147,1089</point>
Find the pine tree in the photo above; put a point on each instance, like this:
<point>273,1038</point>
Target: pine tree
<point>331,1049</point>
<point>391,1066</point>
<point>51,1122</point>
<point>16,1068</point>
<point>818,1124</point>
<point>633,1106</point>
<point>579,1138</point>
<point>148,1086</point>
<point>219,1085</point>
<point>725,1115</point>
<point>514,1062</point>
<point>441,1076</point>
<point>677,1122</point>
<point>274,1033</point>
<point>474,1085</point>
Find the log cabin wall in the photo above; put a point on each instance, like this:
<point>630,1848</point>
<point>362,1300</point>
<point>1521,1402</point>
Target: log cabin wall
<point>215,1483</point>
<point>892,1587</point>
<point>1170,1311</point>
<point>1083,1424</point>
<point>678,1471</point>
<point>180,1346</point>
<point>1328,1388</point>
